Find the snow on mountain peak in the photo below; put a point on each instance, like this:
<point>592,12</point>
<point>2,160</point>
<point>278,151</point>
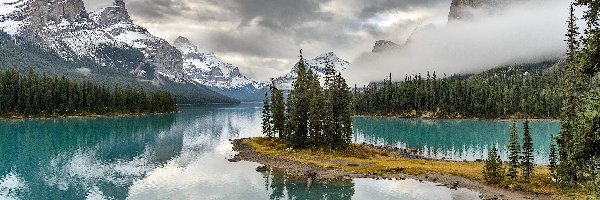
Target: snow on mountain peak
<point>207,69</point>
<point>316,65</point>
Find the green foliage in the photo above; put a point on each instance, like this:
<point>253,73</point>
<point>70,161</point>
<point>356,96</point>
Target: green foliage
<point>314,116</point>
<point>579,138</point>
<point>493,171</point>
<point>553,157</point>
<point>516,91</point>
<point>514,153</point>
<point>278,111</point>
<point>21,55</point>
<point>527,162</point>
<point>267,119</point>
<point>42,96</point>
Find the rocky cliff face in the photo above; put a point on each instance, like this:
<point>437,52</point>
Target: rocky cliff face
<point>66,27</point>
<point>108,37</point>
<point>224,78</point>
<point>384,45</point>
<point>462,9</point>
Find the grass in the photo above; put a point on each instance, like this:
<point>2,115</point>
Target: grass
<point>367,160</point>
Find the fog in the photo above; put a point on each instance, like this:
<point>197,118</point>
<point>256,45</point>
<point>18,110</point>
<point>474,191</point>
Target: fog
<point>525,32</point>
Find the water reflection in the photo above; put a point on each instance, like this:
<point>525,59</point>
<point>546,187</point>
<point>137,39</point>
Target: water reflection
<point>451,139</point>
<point>281,186</point>
<point>177,156</point>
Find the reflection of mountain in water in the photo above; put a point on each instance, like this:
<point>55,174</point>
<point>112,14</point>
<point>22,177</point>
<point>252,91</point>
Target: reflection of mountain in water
<point>282,186</point>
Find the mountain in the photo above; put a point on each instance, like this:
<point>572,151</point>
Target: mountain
<point>317,65</point>
<point>464,9</point>
<point>224,78</point>
<point>384,45</point>
<point>108,37</point>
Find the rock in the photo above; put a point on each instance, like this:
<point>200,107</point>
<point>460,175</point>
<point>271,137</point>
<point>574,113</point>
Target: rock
<point>455,185</point>
<point>384,45</point>
<point>262,169</point>
<point>461,10</point>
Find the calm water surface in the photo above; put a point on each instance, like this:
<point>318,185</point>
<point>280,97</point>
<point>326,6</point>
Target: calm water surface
<point>184,156</point>
<point>453,139</point>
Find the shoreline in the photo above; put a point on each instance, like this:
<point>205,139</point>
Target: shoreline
<point>433,116</point>
<point>82,116</point>
<point>339,172</point>
<point>453,118</point>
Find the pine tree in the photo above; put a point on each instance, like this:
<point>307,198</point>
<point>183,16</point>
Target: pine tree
<point>493,171</point>
<point>267,121</point>
<point>299,104</point>
<point>527,162</point>
<point>553,157</point>
<point>315,112</point>
<point>278,111</point>
<point>514,153</point>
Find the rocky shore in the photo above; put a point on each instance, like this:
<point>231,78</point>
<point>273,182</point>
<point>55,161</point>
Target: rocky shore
<point>315,173</point>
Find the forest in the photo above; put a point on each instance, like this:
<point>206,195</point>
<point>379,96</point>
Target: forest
<point>517,91</point>
<point>312,116</point>
<point>36,95</point>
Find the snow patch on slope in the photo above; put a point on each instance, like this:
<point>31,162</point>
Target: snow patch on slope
<point>316,65</point>
<point>207,69</point>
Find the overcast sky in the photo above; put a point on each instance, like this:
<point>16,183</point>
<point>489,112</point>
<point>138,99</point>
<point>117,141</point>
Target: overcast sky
<point>262,37</point>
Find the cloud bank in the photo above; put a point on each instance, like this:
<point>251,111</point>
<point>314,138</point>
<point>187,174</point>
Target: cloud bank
<point>525,32</point>
<point>263,37</point>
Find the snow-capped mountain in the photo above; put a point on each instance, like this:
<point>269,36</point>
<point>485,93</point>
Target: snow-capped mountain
<point>224,78</point>
<point>110,38</point>
<point>317,65</point>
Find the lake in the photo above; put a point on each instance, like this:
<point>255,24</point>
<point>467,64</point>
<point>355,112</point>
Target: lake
<point>453,139</point>
<point>184,156</point>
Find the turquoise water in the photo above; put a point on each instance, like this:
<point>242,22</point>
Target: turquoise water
<point>452,139</point>
<point>175,156</point>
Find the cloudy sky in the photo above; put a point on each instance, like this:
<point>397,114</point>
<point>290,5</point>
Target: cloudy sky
<point>262,37</point>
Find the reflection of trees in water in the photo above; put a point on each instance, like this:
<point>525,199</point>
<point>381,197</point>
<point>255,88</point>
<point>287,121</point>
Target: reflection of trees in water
<point>458,139</point>
<point>282,186</point>
<point>64,158</point>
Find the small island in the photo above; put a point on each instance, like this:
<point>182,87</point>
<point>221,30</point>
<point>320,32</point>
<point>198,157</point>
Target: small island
<point>369,161</point>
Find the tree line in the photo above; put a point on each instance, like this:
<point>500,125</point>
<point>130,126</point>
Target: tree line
<point>510,92</point>
<point>312,116</point>
<point>34,95</point>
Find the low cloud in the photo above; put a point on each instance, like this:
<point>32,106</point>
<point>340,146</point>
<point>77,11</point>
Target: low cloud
<point>525,32</point>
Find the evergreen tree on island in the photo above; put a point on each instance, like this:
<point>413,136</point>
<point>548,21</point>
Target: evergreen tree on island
<point>493,171</point>
<point>514,153</point>
<point>267,120</point>
<point>313,116</point>
<point>527,160</point>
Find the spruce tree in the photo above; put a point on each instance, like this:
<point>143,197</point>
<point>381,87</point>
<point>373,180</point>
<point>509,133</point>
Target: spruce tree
<point>493,171</point>
<point>278,111</point>
<point>553,157</point>
<point>299,104</point>
<point>267,121</point>
<point>315,112</point>
<point>514,153</point>
<point>527,162</point>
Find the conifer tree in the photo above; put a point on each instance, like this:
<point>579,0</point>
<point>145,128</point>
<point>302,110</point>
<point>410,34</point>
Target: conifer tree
<point>553,157</point>
<point>493,171</point>
<point>299,104</point>
<point>527,162</point>
<point>514,153</point>
<point>315,112</point>
<point>278,111</point>
<point>267,121</point>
